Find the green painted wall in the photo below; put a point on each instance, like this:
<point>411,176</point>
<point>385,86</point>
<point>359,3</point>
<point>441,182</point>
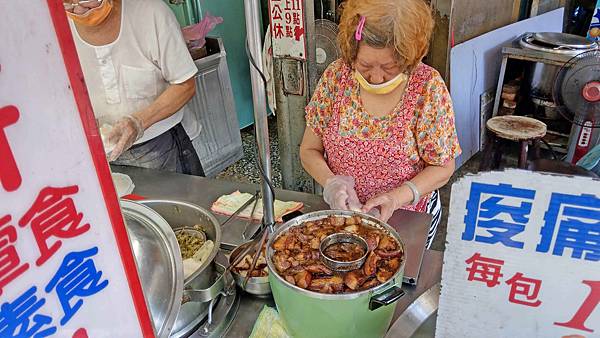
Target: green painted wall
<point>233,33</point>
<point>184,12</point>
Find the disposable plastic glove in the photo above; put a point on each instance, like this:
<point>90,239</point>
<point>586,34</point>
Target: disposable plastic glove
<point>339,193</point>
<point>124,134</point>
<point>382,206</point>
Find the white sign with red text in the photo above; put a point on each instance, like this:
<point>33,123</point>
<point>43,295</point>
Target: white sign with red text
<point>522,257</point>
<point>287,28</point>
<point>66,268</point>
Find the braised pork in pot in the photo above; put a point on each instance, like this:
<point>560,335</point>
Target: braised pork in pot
<point>296,256</point>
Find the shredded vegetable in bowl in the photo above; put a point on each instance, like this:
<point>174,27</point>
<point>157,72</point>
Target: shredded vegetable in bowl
<point>194,247</point>
<point>190,241</point>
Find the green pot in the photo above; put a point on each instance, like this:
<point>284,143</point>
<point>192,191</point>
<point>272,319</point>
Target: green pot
<point>311,314</point>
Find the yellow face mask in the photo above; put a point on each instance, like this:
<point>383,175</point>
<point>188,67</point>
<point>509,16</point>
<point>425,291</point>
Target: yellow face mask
<point>383,88</point>
<point>94,16</point>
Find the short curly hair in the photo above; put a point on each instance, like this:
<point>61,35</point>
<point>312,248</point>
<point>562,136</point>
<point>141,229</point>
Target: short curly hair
<point>405,25</point>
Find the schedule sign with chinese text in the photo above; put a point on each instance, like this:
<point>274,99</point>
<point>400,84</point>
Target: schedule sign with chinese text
<point>66,268</point>
<point>287,28</point>
<point>522,257</point>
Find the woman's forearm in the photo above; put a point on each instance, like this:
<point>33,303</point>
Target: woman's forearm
<point>428,180</point>
<point>315,165</point>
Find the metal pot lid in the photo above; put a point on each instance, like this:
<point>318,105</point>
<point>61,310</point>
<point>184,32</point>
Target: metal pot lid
<point>156,251</point>
<point>563,40</point>
<point>558,43</point>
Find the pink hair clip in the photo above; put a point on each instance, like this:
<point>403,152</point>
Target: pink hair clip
<point>359,28</point>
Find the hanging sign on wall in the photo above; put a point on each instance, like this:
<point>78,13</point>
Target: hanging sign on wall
<point>287,28</point>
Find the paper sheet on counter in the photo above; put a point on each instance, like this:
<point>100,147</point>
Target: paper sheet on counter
<point>228,204</point>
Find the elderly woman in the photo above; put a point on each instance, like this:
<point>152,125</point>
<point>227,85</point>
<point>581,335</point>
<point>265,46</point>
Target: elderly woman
<point>381,132</point>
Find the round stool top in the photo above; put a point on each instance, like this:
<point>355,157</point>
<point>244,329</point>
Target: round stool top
<point>516,128</point>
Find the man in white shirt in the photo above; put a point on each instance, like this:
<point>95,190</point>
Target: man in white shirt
<point>139,74</point>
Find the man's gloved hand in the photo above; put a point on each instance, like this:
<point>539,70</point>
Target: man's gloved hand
<point>124,134</point>
<point>339,193</point>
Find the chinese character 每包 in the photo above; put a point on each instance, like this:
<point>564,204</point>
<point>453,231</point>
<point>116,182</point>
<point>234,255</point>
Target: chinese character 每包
<point>529,288</point>
<point>484,269</point>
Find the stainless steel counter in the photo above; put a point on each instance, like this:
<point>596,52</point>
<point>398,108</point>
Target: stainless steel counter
<point>202,191</point>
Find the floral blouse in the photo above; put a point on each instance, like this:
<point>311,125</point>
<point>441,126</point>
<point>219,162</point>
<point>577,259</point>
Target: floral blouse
<point>431,133</point>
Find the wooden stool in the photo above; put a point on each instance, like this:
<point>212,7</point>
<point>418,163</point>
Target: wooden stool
<point>512,128</point>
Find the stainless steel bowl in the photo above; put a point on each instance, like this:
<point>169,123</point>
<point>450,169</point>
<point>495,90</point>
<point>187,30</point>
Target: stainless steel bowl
<point>336,265</point>
<point>258,286</point>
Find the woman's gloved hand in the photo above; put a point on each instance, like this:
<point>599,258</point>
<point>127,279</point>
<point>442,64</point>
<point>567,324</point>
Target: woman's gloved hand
<point>382,206</point>
<point>124,134</point>
<point>339,193</point>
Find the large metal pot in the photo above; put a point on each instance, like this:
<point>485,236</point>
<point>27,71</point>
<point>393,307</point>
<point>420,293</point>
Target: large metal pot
<point>184,303</point>
<point>311,314</point>
<point>205,283</point>
<point>541,76</point>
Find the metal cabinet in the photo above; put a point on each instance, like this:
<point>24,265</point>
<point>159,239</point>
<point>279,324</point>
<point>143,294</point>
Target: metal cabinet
<point>218,141</point>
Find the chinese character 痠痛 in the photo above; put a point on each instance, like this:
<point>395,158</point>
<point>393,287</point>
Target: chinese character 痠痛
<point>277,31</point>
<point>528,288</point>
<point>53,214</point>
<point>76,277</point>
<point>578,220</point>
<point>484,269</point>
<point>487,204</point>
<point>276,12</point>
<point>10,263</point>
<point>19,318</point>
<point>288,32</point>
<point>10,177</point>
